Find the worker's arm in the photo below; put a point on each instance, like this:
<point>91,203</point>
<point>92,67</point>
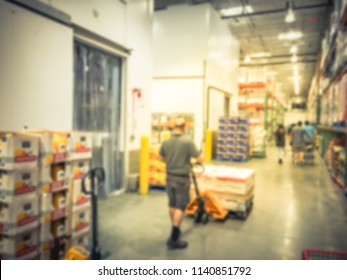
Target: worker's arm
<point>161,154</point>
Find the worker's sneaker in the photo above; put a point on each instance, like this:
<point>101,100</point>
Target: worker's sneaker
<point>179,244</point>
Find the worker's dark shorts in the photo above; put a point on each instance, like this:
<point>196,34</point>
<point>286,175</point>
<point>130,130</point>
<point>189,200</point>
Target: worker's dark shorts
<point>178,191</point>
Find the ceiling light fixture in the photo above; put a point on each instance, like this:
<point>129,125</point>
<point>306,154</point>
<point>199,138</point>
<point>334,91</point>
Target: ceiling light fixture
<point>290,17</point>
<point>294,49</point>
<point>292,35</point>
<point>247,59</point>
<point>236,10</point>
<point>258,55</point>
<point>294,59</point>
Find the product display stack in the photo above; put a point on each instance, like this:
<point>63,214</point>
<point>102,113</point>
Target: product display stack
<point>258,135</point>
<point>157,168</point>
<point>79,209</point>
<point>233,141</point>
<point>19,200</point>
<point>232,187</point>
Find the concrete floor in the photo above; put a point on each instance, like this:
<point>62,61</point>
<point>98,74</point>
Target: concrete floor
<point>295,208</point>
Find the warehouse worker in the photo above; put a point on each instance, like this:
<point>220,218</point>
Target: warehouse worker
<point>280,138</point>
<point>177,153</point>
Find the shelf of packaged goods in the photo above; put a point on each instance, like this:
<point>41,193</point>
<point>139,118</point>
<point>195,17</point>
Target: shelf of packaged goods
<point>332,49</point>
<point>253,86</point>
<point>58,214</point>
<point>342,70</point>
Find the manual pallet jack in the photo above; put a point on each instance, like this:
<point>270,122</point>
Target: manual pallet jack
<point>80,252</point>
<point>204,205</point>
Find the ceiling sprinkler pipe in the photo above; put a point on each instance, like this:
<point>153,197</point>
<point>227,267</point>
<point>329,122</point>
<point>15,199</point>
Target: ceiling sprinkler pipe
<point>283,10</point>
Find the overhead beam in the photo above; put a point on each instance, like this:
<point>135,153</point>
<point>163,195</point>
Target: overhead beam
<point>283,56</point>
<point>277,63</point>
<point>282,10</point>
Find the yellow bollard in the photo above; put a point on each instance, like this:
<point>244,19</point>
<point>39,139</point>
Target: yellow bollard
<point>208,146</point>
<point>144,165</point>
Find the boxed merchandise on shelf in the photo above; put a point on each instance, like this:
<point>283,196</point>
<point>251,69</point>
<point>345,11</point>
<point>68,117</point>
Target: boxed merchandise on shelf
<point>45,233</point>
<point>17,183</point>
<point>59,228</point>
<point>79,222</point>
<point>60,175</point>
<point>45,250</point>
<point>20,215</point>
<point>45,179</point>
<point>18,151</point>
<point>82,240</point>
<point>45,207</point>
<point>22,246</point>
<point>81,145</point>
<point>80,168</point>
<point>77,198</point>
<point>45,146</point>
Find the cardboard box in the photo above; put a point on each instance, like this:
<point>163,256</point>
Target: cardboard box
<point>21,215</point>
<point>17,183</point>
<point>80,168</point>
<point>45,179</point>
<point>59,228</point>
<point>79,222</point>
<point>82,240</point>
<point>46,208</point>
<point>22,246</point>
<point>45,145</point>
<point>81,145</point>
<point>59,200</point>
<point>61,146</point>
<point>61,175</point>
<point>232,203</point>
<point>18,151</point>
<point>45,234</point>
<point>77,198</point>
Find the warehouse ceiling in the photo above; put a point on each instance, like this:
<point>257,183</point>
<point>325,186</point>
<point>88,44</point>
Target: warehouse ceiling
<point>258,23</point>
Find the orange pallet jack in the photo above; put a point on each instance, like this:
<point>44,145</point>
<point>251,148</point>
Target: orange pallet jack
<point>204,205</point>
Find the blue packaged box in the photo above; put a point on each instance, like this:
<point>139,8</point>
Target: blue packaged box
<point>243,120</point>
<point>233,120</point>
<point>242,143</point>
<point>221,150</point>
<point>223,120</point>
<point>232,135</point>
<point>233,128</point>
<point>222,142</point>
<point>242,150</point>
<point>231,142</point>
<point>231,149</point>
<point>244,128</point>
<point>223,128</point>
<point>243,136</point>
<point>222,135</point>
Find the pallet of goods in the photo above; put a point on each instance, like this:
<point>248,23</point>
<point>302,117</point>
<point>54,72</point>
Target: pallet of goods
<point>232,187</point>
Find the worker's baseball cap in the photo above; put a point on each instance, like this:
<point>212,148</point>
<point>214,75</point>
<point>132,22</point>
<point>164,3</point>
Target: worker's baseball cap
<point>179,122</point>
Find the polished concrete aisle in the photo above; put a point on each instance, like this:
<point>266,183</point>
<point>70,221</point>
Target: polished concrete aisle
<point>295,208</point>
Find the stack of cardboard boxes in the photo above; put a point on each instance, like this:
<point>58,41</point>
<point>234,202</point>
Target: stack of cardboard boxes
<point>51,190</point>
<point>232,187</point>
<point>234,138</point>
<point>157,168</point>
<point>19,202</point>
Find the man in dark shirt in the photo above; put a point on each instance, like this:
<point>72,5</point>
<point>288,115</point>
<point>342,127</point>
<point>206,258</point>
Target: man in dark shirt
<point>177,153</point>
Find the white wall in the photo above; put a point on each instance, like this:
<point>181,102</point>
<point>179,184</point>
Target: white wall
<point>36,79</point>
<point>186,38</point>
<point>140,67</point>
<point>222,67</point>
<point>186,95</point>
<point>180,34</point>
<point>294,117</point>
<point>108,18</point>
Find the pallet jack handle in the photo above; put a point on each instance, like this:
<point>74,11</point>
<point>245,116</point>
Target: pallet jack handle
<point>96,176</point>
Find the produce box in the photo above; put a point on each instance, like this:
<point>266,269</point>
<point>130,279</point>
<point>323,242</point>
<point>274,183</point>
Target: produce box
<point>18,151</point>
<point>77,198</point>
<point>80,168</point>
<point>81,145</point>
<point>60,176</point>
<point>45,179</point>
<point>22,246</point>
<point>46,207</point>
<point>59,228</point>
<point>45,146</point>
<point>17,183</point>
<point>20,215</point>
<point>227,179</point>
<point>79,222</point>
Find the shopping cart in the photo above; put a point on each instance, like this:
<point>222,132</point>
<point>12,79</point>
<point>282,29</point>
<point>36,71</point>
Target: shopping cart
<point>314,254</point>
<point>303,154</point>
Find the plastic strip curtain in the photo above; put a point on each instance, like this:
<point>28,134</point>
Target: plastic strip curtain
<point>97,108</point>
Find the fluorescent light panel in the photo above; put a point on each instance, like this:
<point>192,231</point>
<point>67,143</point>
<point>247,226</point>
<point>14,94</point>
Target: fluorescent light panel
<point>292,35</point>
